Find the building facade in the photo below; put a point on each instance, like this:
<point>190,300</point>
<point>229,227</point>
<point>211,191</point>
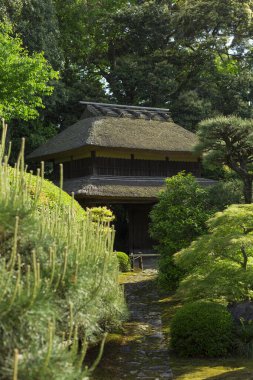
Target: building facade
<point>119,156</point>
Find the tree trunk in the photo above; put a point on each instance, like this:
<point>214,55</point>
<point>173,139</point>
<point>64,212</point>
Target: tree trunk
<point>247,189</point>
<point>245,258</point>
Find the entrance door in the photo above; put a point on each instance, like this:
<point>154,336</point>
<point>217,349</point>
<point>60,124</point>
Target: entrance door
<point>139,238</point>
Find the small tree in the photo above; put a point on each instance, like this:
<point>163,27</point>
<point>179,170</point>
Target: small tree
<point>229,140</point>
<point>24,78</point>
<point>177,219</point>
<point>219,264</point>
<point>180,214</point>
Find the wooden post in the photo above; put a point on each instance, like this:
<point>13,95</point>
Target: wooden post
<point>132,261</point>
<point>93,162</point>
<point>140,262</point>
<point>131,229</point>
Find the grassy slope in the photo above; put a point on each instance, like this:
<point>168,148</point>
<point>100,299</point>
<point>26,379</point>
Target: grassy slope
<point>203,369</point>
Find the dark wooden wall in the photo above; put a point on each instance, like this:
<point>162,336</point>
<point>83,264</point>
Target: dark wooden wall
<point>75,168</point>
<point>126,167</point>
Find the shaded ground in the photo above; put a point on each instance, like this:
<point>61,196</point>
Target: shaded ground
<point>141,351</point>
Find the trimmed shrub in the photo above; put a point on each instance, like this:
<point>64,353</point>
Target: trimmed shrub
<point>124,262</point>
<point>170,274</point>
<point>51,197</point>
<point>101,214</point>
<point>180,214</point>
<point>202,329</point>
<point>177,219</point>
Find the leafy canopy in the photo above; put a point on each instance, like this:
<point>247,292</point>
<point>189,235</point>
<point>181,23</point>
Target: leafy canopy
<point>219,263</point>
<point>193,56</point>
<point>24,78</point>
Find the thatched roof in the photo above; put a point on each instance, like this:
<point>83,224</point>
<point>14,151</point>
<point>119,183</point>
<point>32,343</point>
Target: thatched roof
<point>135,112</point>
<point>119,187</point>
<point>144,129</point>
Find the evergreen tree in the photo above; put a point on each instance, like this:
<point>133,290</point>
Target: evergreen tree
<point>229,141</point>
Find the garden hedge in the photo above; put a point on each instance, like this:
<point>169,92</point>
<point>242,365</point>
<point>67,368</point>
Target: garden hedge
<point>202,329</point>
<point>124,262</point>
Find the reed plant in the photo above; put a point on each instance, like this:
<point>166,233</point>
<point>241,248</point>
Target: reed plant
<point>59,288</point>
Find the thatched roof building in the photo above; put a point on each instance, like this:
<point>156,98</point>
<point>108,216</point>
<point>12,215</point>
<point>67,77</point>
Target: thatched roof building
<point>147,129</point>
<point>120,155</point>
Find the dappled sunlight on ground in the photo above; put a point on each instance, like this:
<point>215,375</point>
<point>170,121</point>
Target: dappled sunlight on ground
<point>202,369</point>
<point>196,369</point>
<point>140,349</point>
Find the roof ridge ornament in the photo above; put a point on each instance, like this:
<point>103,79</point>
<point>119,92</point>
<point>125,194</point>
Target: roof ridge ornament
<point>133,112</point>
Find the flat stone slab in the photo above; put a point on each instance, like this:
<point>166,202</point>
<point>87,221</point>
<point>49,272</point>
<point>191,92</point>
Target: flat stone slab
<point>143,352</point>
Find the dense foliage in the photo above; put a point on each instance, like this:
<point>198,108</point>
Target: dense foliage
<point>59,279</point>
<point>218,265</point>
<point>229,141</point>
<point>124,262</point>
<point>194,57</point>
<point>224,193</point>
<point>180,214</point>
<point>177,219</point>
<point>57,267</point>
<point>100,214</point>
<point>48,195</point>
<point>243,339</point>
<point>202,329</point>
<point>24,78</point>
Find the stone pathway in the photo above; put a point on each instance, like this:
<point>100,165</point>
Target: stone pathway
<point>141,353</point>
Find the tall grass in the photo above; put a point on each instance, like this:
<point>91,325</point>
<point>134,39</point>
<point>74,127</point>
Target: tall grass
<point>59,289</point>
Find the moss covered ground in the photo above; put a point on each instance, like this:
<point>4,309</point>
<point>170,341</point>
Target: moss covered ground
<point>202,369</point>
<point>182,368</point>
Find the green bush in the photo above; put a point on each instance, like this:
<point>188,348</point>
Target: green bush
<point>59,286</point>
<point>202,329</point>
<point>243,340</point>
<point>180,214</point>
<point>49,195</point>
<point>124,262</point>
<point>169,274</point>
<point>177,218</point>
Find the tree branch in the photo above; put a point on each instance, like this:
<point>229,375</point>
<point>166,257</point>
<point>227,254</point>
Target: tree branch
<point>245,257</point>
